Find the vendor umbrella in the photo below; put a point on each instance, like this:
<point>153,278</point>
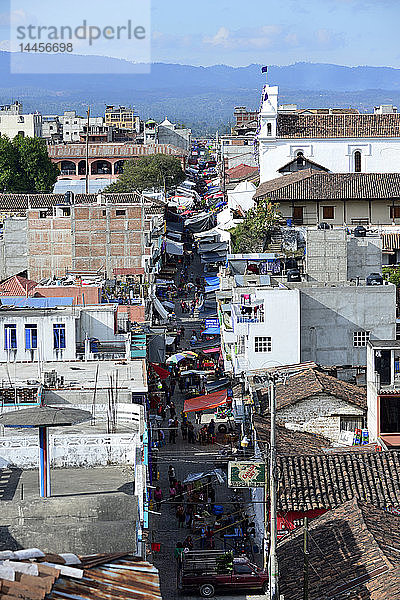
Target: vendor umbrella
<point>190,354</point>
<point>175,358</point>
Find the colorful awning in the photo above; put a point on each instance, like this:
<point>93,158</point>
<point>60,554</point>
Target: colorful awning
<point>206,402</point>
<point>162,373</point>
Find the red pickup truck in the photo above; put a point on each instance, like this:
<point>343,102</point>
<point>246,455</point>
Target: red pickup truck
<point>208,571</point>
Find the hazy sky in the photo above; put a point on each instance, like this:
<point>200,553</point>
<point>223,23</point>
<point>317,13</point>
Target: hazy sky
<point>241,32</point>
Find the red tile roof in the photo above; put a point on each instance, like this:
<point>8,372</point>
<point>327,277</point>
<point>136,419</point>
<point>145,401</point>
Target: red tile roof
<point>338,125</point>
<point>315,185</point>
<point>312,382</point>
<point>241,171</point>
<point>354,553</point>
<point>17,286</point>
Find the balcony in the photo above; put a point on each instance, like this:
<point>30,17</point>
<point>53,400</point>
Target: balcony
<point>246,315</point>
<point>103,350</point>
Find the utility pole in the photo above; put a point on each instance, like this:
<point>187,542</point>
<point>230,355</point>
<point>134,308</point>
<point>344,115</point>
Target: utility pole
<point>305,563</point>
<point>273,558</point>
<point>87,151</point>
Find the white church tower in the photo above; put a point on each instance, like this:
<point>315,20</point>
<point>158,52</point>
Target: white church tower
<point>268,124</point>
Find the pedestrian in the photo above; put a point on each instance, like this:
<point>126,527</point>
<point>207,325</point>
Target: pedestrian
<point>171,474</point>
<point>158,497</point>
<point>179,491</point>
<point>180,515</point>
<point>172,431</point>
<point>211,431</point>
<point>191,433</point>
<point>179,548</point>
<point>161,437</point>
<point>181,384</point>
<point>173,383</point>
<point>182,332</point>
<point>184,430</point>
<point>188,543</point>
<point>189,514</point>
<point>209,535</point>
<point>172,492</point>
<point>172,409</point>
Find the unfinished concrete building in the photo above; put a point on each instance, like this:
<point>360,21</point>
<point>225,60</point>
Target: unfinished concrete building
<point>97,237</point>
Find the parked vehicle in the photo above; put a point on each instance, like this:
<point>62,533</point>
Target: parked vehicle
<point>209,571</point>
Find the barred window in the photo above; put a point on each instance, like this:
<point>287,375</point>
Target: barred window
<point>351,423</point>
<point>360,338</point>
<point>241,344</point>
<point>262,344</point>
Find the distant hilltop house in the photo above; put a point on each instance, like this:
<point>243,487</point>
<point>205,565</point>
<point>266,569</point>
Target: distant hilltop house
<point>328,140</point>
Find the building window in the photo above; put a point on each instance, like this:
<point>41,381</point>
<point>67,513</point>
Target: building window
<point>360,338</point>
<point>10,337</point>
<point>120,213</point>
<point>262,344</point>
<point>30,337</point>
<point>269,129</point>
<point>328,212</point>
<point>59,336</point>
<point>351,423</point>
<point>42,214</point>
<point>395,212</point>
<point>357,161</point>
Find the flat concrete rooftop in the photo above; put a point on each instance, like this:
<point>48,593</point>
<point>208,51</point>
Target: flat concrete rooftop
<point>15,483</point>
<point>132,374</point>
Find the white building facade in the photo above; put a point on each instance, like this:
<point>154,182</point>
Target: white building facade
<point>341,142</point>
<point>13,122</point>
<point>35,332</point>
<point>261,329</point>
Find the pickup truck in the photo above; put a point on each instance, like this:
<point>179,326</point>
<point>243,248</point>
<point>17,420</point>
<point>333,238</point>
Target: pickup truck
<point>206,571</point>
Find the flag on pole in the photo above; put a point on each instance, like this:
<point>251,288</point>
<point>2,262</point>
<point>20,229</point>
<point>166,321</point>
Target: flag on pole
<point>264,69</point>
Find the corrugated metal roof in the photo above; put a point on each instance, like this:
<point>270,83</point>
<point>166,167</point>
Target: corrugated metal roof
<point>124,578</point>
<point>96,577</point>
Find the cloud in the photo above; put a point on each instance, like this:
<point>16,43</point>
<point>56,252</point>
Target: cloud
<point>221,38</point>
<point>14,18</point>
<point>274,37</point>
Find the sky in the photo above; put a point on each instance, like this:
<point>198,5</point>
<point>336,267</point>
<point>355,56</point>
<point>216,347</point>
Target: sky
<point>238,32</point>
<point>280,32</point>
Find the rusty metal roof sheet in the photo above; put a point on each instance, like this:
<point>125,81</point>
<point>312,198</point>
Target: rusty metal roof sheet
<point>120,576</point>
<point>125,578</point>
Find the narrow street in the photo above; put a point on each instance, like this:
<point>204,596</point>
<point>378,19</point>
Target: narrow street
<point>186,458</point>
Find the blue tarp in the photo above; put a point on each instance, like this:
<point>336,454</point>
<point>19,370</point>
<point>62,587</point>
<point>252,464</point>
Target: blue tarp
<point>211,331</point>
<point>211,280</point>
<point>22,302</point>
<point>211,288</point>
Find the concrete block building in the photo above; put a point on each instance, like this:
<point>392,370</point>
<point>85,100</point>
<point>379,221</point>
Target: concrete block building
<point>334,255</point>
<point>96,237</point>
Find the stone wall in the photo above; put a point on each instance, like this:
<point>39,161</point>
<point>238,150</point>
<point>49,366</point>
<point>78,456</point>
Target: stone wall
<point>318,414</point>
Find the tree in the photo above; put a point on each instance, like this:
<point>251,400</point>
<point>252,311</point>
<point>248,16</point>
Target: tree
<point>25,166</point>
<point>392,274</point>
<point>39,173</point>
<point>250,235</point>
<point>10,179</point>
<point>159,172</point>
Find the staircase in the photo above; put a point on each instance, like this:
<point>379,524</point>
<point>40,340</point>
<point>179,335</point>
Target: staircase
<point>276,241</point>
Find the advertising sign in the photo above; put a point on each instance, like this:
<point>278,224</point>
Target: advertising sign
<point>246,474</point>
